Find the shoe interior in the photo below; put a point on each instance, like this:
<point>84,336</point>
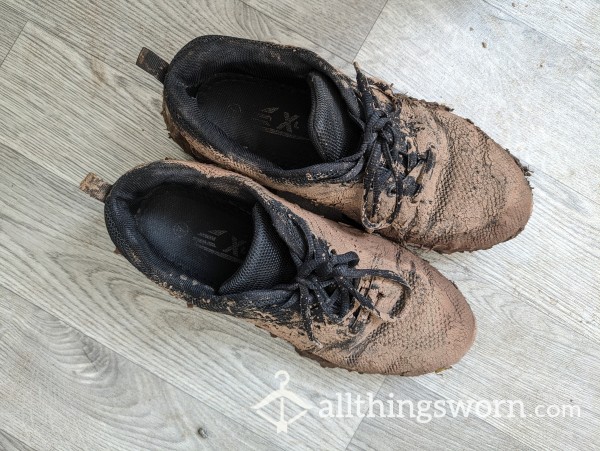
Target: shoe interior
<point>269,118</point>
<point>195,231</point>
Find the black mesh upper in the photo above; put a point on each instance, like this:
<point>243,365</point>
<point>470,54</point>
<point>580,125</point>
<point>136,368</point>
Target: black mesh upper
<point>331,128</point>
<point>268,262</point>
<point>206,56</point>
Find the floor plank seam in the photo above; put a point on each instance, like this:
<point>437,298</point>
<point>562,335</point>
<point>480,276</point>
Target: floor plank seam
<point>485,420</point>
<point>285,27</point>
<point>371,29</point>
<point>557,316</point>
<point>535,171</point>
<point>13,44</point>
<point>426,387</point>
<point>145,82</point>
<point>385,378</point>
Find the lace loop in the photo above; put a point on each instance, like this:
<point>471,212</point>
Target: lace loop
<point>329,282</point>
<point>386,156</point>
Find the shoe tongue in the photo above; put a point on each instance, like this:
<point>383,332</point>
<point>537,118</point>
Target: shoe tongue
<point>330,126</point>
<point>268,261</point>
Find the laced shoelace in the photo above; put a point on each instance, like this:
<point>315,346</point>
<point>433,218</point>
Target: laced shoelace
<point>330,282</point>
<point>385,150</point>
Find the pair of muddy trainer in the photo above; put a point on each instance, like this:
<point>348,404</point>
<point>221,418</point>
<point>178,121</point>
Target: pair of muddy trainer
<point>283,128</point>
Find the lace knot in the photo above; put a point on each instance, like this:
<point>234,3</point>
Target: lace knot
<point>386,156</point>
<point>330,281</point>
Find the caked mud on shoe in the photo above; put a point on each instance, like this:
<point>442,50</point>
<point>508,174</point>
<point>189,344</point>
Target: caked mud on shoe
<point>409,169</point>
<point>222,242</point>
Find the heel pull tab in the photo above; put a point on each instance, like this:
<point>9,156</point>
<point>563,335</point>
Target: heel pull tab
<point>95,187</point>
<point>153,64</point>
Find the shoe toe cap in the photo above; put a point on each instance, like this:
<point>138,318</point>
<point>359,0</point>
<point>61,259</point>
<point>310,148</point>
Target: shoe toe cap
<point>435,329</point>
<point>482,196</point>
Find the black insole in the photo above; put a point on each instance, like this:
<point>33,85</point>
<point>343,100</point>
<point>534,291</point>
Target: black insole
<point>208,240</point>
<point>267,117</point>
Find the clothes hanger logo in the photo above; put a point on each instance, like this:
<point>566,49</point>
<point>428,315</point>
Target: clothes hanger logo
<point>283,399</point>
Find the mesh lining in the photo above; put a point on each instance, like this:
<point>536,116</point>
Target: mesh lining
<point>208,55</point>
<point>330,128</point>
<point>201,235</point>
<point>268,261</point>
<point>124,198</point>
<point>268,118</point>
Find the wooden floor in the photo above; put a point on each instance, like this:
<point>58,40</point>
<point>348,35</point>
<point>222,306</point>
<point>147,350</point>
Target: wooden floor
<point>93,356</point>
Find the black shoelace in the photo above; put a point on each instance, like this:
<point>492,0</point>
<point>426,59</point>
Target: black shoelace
<point>329,282</point>
<point>386,152</point>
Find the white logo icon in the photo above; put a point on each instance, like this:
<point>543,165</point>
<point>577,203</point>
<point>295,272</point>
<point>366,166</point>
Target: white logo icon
<point>282,395</point>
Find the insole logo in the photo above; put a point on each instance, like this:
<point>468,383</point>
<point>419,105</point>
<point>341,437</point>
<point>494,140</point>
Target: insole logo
<point>221,243</point>
<point>278,122</point>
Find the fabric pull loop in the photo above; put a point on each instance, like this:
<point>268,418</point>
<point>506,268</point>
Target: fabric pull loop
<point>153,64</point>
<point>95,187</point>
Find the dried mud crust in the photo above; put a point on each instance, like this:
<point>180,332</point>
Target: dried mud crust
<point>325,364</point>
<point>482,195</point>
<point>176,136</point>
<point>386,89</point>
<point>328,365</point>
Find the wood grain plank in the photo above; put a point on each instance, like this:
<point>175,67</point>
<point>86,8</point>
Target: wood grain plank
<point>62,390</point>
<point>338,25</point>
<point>437,434</point>
<point>76,113</point>
<point>114,31</point>
<point>520,354</point>
<point>531,93</point>
<point>11,24</point>
<point>574,23</point>
<point>55,252</point>
<point>10,443</point>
